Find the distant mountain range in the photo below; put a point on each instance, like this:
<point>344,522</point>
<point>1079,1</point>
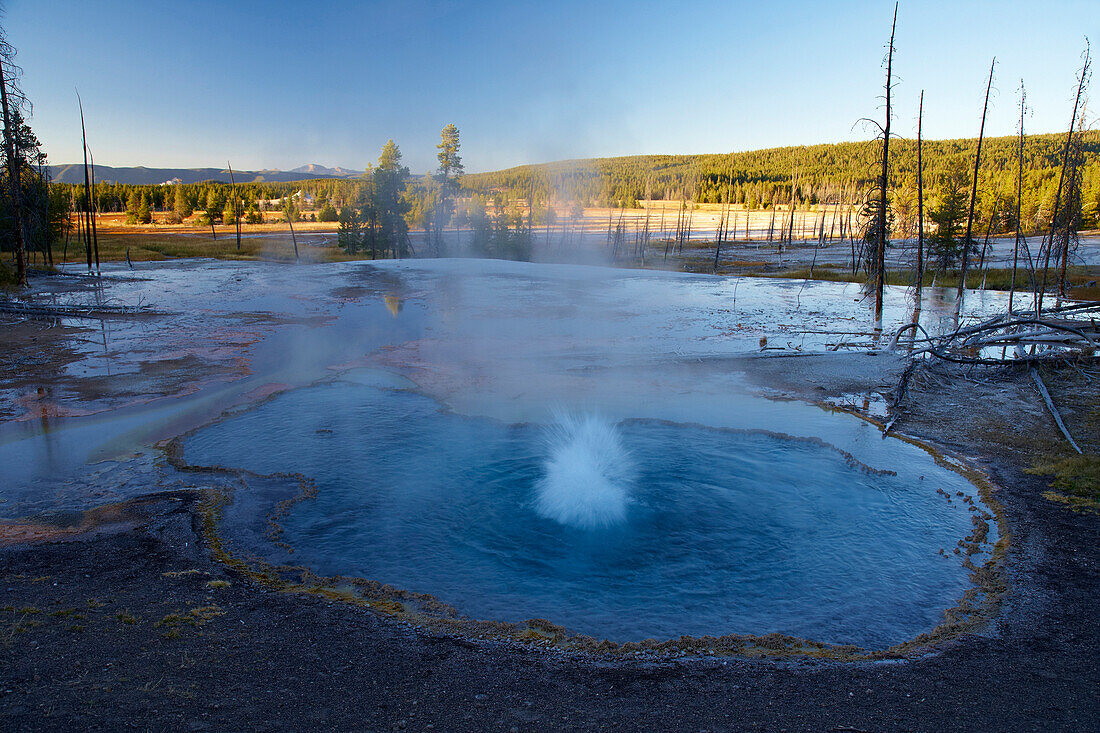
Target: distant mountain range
<point>74,173</point>
<point>313,170</point>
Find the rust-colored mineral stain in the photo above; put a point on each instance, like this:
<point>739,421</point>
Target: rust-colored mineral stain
<point>113,517</point>
<point>40,406</point>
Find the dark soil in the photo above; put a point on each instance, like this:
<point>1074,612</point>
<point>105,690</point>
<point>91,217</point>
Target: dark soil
<point>115,631</point>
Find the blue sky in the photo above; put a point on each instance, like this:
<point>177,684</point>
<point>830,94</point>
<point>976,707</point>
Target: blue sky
<point>278,84</point>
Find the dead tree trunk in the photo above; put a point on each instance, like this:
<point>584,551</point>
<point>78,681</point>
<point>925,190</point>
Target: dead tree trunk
<point>87,188</point>
<point>790,224</point>
<point>233,193</point>
<point>690,220</point>
<point>1062,176</point>
<point>289,216</point>
<point>832,219</point>
<point>95,210</point>
<point>974,185</point>
<point>610,214</point>
<point>1073,202</point>
<point>1019,196</point>
<point>1073,192</point>
<point>880,254</point>
<point>920,199</point>
<point>718,240</point>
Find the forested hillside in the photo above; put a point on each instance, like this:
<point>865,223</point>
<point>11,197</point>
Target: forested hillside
<point>815,173</point>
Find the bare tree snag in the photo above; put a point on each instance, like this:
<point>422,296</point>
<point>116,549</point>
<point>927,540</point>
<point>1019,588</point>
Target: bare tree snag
<point>974,186</point>
<point>87,188</point>
<point>94,211</point>
<point>920,199</point>
<point>236,213</point>
<point>1019,197</point>
<point>880,254</point>
<point>1062,176</point>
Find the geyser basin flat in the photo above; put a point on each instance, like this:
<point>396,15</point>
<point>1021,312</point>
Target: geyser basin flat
<point>488,351</point>
<point>641,529</point>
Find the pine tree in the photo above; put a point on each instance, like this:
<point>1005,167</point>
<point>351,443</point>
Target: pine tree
<point>213,206</point>
<point>389,201</point>
<point>349,236</point>
<point>229,216</point>
<point>450,168</point>
<point>945,246</point>
<point>450,164</point>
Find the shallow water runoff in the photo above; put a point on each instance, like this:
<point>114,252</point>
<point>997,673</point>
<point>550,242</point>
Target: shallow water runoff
<point>578,444</point>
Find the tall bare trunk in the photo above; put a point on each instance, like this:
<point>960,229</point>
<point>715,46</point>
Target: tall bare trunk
<point>1019,196</point>
<point>920,199</point>
<point>292,236</point>
<point>880,254</point>
<point>87,188</point>
<point>236,213</point>
<point>1062,176</point>
<point>95,211</point>
<point>723,224</point>
<point>790,224</point>
<point>974,185</point>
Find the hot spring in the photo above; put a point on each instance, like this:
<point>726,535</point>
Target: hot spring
<point>533,443</point>
<point>576,444</point>
<point>623,530</point>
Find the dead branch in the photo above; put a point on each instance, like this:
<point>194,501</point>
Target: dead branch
<point>1061,334</point>
<point>97,312</point>
<point>1053,410</point>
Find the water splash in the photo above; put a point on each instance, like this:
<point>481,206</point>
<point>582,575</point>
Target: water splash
<point>587,475</point>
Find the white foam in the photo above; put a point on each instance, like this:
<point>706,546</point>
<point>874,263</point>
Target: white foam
<point>587,475</point>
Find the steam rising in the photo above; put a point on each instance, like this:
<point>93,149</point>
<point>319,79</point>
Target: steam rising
<point>587,475</point>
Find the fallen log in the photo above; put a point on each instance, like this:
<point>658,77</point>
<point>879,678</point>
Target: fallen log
<point>95,312</point>
<point>1059,334</point>
<point>1053,410</point>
